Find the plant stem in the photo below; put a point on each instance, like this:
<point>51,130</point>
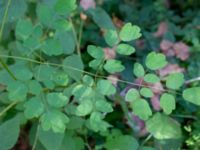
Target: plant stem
<point>147,139</point>
<point>1,34</point>
<point>76,39</point>
<point>126,112</point>
<point>36,138</point>
<point>4,18</point>
<point>8,108</point>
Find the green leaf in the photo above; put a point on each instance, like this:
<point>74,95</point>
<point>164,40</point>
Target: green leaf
<point>84,108</point>
<point>44,14</point>
<point>132,95</point>
<point>95,63</point>
<point>62,25</point>
<point>142,109</point>
<point>147,148</point>
<point>105,87</point>
<point>101,18</point>
<point>52,47</point>
<point>50,140</point>
<point>17,91</point>
<point>192,95</point>
<point>33,108</point>
<point>14,13</point>
<point>9,132</point>
<point>55,120</point>
<point>23,29</point>
<point>57,99</point>
<point>163,127</point>
<point>34,87</point>
<point>88,80</point>
<point>146,92</point>
<point>96,123</point>
<point>60,78</point>
<point>122,142</point>
<point>75,123</point>
<point>65,7</point>
<point>129,32</point>
<point>73,66</point>
<point>113,66</point>
<point>175,81</point>
<point>138,70</point>
<point>96,52</point>
<point>125,49</point>
<point>151,78</point>
<point>82,92</point>
<point>103,106</point>
<point>111,37</point>
<point>22,72</point>
<point>155,61</point>
<point>167,103</point>
<point>71,142</point>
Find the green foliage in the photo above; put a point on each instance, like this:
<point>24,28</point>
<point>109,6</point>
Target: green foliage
<point>67,72</point>
<point>129,32</point>
<point>155,61</point>
<point>168,103</point>
<point>168,128</point>
<point>9,132</point>
<point>175,81</point>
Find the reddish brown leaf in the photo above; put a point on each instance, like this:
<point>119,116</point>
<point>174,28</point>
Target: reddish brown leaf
<point>109,53</point>
<point>162,29</point>
<point>170,68</point>
<point>181,50</point>
<point>86,4</point>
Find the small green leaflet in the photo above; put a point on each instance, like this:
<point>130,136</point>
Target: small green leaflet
<point>33,108</point>
<point>96,122</point>
<point>9,132</point>
<point>96,52</point>
<point>146,92</point>
<point>192,95</point>
<point>60,78</point>
<point>103,106</point>
<point>163,127</point>
<point>101,18</point>
<point>151,78</point>
<point>122,142</point>
<point>55,120</point>
<point>24,28</point>
<point>125,49</point>
<point>175,81</point>
<point>82,91</point>
<point>50,140</point>
<point>88,80</point>
<point>129,32</point>
<point>138,70</point>
<point>132,95</point>
<point>113,66</point>
<point>111,37</point>
<point>65,7</point>
<point>57,99</point>
<point>105,87</point>
<point>141,108</point>
<point>52,47</point>
<point>73,66</point>
<point>155,61</point>
<point>34,87</point>
<point>167,103</point>
<point>84,108</point>
<point>17,91</point>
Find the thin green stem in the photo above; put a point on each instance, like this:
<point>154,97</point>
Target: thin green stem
<point>1,34</point>
<point>86,72</point>
<point>8,108</point>
<point>80,32</point>
<point>4,18</point>
<point>147,139</point>
<point>36,138</point>
<point>7,69</point>
<point>76,39</point>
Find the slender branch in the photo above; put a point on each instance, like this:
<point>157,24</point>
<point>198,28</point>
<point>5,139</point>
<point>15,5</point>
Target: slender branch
<point>1,34</point>
<point>4,18</point>
<point>76,39</point>
<point>36,138</point>
<point>147,139</point>
<point>8,108</point>
<point>192,80</point>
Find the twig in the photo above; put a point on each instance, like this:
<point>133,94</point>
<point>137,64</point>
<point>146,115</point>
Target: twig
<point>192,80</point>
<point>8,108</point>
